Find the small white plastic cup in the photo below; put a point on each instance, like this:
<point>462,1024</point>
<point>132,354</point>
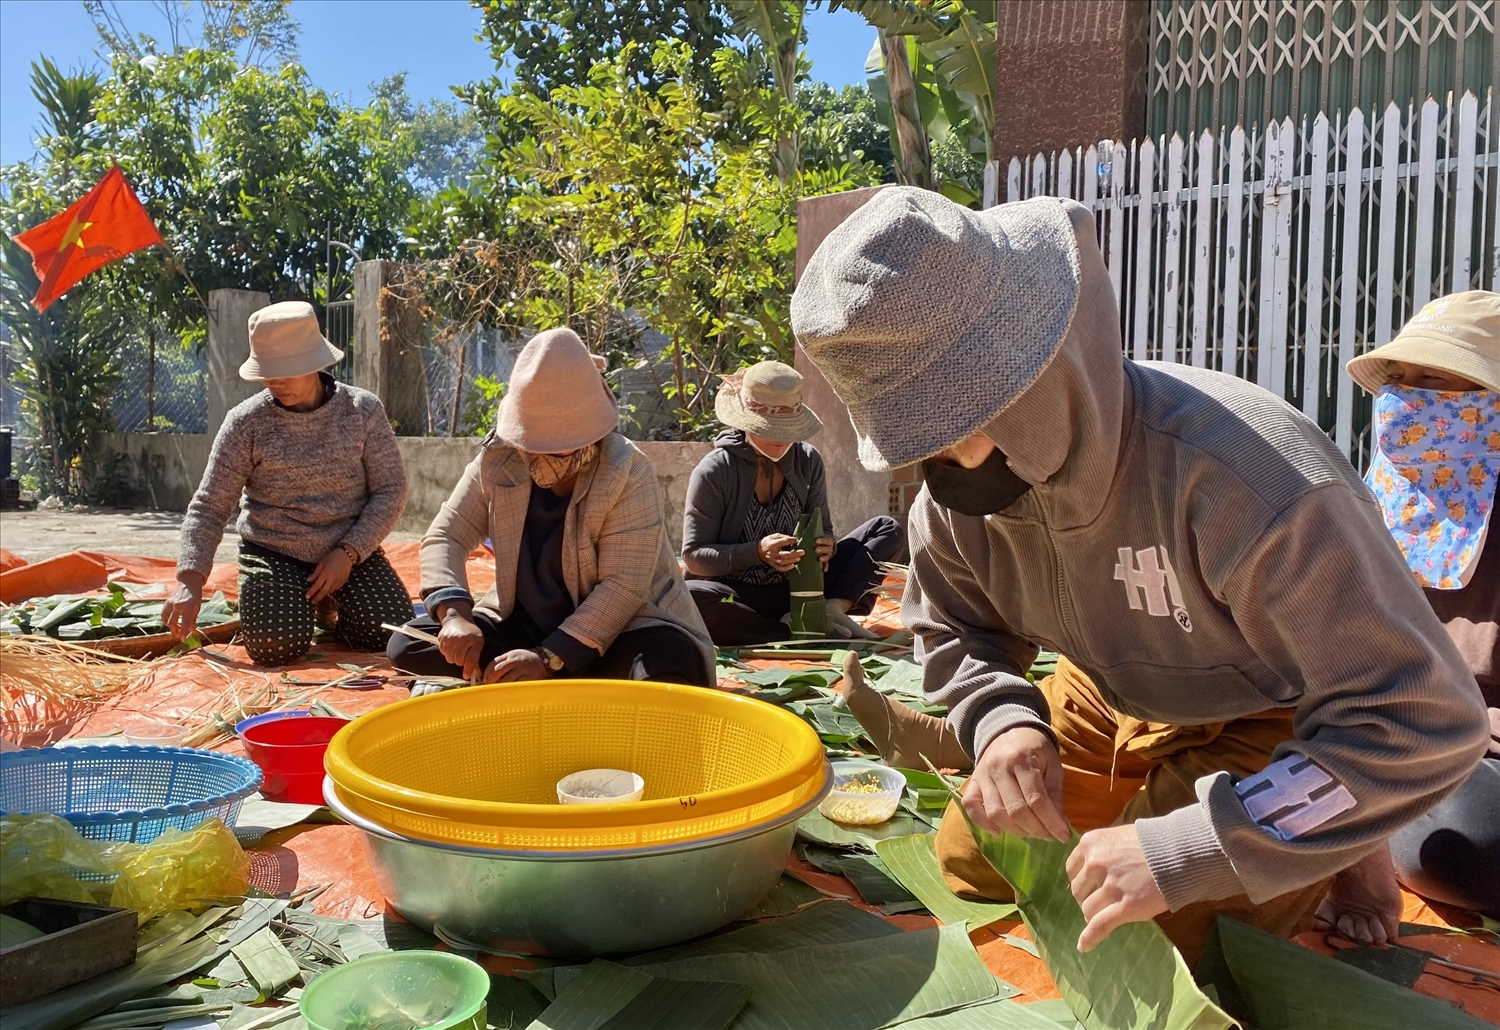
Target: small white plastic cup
<point>600,787</point>
<point>859,809</point>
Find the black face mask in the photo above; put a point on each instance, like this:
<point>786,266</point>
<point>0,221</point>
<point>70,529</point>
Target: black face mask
<point>984,490</point>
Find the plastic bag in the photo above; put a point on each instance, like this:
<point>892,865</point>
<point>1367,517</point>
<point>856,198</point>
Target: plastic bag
<point>45,856</point>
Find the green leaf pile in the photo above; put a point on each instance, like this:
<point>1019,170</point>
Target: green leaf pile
<point>115,614</point>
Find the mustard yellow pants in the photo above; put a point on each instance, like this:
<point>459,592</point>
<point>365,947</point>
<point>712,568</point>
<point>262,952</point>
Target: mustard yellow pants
<point>1117,769</point>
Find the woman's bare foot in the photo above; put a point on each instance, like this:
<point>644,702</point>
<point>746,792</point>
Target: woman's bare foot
<point>1364,903</point>
<point>905,737</point>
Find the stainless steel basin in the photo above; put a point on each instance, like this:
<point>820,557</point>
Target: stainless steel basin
<point>572,904</point>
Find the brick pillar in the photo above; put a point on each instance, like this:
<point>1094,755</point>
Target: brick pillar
<point>388,335</point>
<point>854,494</point>
<point>229,348</point>
<point>1069,73</point>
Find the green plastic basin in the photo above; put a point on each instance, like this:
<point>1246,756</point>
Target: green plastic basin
<point>403,990</point>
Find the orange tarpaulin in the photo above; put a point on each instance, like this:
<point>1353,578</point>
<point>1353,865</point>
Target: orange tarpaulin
<point>189,689</point>
<point>85,572</point>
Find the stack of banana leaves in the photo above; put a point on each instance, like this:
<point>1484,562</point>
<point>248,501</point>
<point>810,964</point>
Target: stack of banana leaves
<point>96,617</point>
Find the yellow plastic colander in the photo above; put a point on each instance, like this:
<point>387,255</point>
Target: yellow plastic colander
<point>479,766</point>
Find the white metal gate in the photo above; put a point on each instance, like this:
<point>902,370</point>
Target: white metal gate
<point>1279,255</point>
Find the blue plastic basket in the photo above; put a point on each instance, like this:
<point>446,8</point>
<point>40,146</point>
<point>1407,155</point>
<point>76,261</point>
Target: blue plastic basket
<point>131,793</point>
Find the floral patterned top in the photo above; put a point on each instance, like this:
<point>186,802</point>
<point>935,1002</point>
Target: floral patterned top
<point>1437,458</point>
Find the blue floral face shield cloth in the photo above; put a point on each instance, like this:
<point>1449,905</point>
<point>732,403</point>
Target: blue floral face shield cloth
<point>1436,459</point>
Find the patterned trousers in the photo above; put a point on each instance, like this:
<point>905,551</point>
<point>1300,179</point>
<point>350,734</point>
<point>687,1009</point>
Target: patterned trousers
<point>278,621</point>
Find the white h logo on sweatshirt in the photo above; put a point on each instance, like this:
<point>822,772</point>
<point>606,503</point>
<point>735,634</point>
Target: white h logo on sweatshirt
<point>1145,578</point>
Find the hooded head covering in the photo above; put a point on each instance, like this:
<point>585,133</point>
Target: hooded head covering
<point>928,318</point>
<point>557,401</point>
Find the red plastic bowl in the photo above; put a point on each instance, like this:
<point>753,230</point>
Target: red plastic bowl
<point>290,753</point>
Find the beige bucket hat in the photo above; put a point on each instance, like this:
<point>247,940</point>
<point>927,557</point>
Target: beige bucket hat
<point>285,341</point>
<point>1459,333</point>
<point>766,399</point>
<point>929,319</point>
<point>557,401</point>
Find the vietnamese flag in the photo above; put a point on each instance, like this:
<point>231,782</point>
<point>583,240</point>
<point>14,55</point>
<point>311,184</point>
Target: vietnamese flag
<point>105,225</point>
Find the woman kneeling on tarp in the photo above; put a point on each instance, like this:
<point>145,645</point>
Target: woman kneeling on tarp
<point>742,508</point>
<point>585,583</point>
<point>322,485</point>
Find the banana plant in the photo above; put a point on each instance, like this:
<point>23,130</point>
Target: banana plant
<point>777,26</point>
<point>951,57</point>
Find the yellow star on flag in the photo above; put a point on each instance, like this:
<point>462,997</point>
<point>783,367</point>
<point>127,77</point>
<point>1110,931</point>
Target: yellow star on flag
<point>74,235</point>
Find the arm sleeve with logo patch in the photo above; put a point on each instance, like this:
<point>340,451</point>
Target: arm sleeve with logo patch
<point>1389,722</point>
<point>971,661</point>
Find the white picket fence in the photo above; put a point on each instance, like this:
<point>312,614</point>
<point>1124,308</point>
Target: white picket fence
<point>1279,255</point>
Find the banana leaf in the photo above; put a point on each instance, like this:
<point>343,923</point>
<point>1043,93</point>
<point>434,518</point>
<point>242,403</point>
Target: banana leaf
<point>874,881</point>
<point>863,985</point>
<point>816,827</point>
<point>913,861</point>
<point>607,996</point>
<point>788,897</point>
<point>513,1003</point>
<point>266,962</point>
<point>833,923</point>
<point>202,942</point>
<point>1275,983</point>
<point>995,1015</point>
<point>1132,980</point>
<point>779,686</point>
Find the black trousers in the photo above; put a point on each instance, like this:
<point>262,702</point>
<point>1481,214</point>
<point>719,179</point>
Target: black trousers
<point>746,613</point>
<point>661,654</point>
<point>1452,854</point>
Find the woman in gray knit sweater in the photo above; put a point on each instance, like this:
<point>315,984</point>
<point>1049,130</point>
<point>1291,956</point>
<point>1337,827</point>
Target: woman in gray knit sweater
<point>313,465</point>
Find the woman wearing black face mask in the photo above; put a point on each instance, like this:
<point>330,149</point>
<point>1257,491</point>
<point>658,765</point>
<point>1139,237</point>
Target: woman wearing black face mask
<point>743,505</point>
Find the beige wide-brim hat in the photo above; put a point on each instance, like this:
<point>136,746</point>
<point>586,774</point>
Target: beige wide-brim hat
<point>285,341</point>
<point>1459,333</point>
<point>766,399</point>
<point>928,319</point>
<point>556,401</point>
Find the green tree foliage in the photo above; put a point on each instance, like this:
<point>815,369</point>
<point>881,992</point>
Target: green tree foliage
<point>245,170</point>
<point>64,357</point>
<point>550,43</point>
<point>619,207</point>
<point>257,33</point>
<point>446,139</point>
<point>844,125</point>
<point>946,82</point>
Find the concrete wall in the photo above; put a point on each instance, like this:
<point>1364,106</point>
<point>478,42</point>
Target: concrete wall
<point>229,314</point>
<point>1069,72</point>
<point>164,469</point>
<point>854,494</point>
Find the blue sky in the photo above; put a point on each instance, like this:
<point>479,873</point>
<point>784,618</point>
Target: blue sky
<point>345,45</point>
